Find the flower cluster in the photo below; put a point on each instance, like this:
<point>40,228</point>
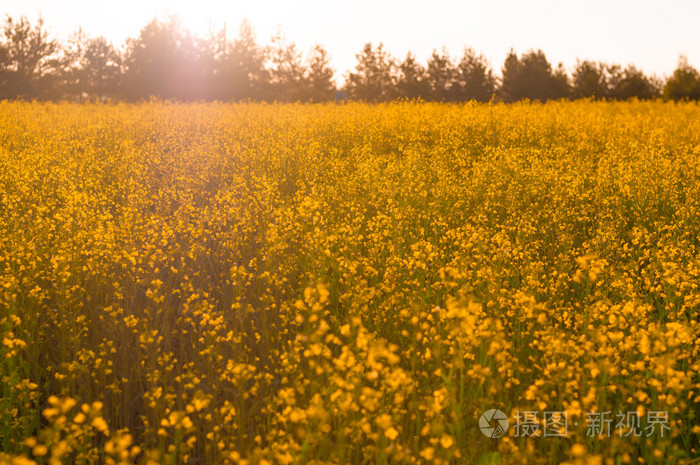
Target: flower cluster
<point>280,284</point>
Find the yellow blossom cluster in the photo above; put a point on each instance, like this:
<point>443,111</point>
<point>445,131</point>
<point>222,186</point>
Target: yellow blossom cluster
<point>348,284</point>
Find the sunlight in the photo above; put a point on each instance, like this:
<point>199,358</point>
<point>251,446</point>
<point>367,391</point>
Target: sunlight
<point>647,35</point>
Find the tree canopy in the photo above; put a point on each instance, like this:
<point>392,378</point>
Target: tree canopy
<point>169,62</point>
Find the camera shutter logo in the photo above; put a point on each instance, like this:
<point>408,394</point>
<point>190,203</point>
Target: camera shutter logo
<point>493,423</point>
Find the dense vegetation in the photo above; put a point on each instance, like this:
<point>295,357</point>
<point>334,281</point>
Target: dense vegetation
<point>257,284</point>
<point>168,62</point>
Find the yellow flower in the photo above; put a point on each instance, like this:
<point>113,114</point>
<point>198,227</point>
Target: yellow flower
<point>100,424</point>
<point>391,433</point>
<point>187,423</point>
<point>428,453</point>
<point>446,441</point>
<point>578,450</point>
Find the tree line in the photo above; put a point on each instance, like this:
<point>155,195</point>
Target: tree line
<point>167,61</point>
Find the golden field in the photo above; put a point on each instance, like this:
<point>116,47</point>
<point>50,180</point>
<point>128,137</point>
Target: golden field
<point>348,284</point>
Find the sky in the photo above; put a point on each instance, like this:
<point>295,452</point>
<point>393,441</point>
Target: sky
<point>648,34</point>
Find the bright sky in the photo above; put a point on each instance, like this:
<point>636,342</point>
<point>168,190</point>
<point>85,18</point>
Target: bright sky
<point>649,34</point>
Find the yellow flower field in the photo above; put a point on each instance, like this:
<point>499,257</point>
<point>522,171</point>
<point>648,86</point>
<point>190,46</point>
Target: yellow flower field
<point>350,284</point>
